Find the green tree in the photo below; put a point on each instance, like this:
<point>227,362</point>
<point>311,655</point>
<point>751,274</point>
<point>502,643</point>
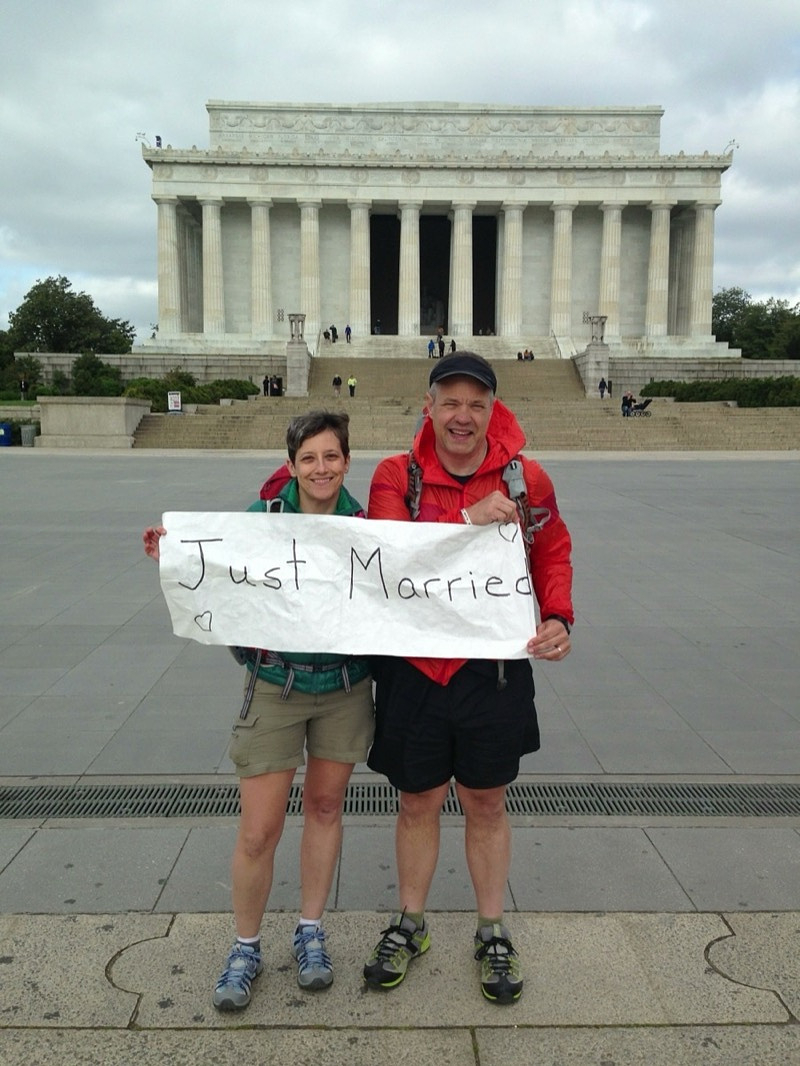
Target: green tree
<point>728,306</point>
<point>763,329</point>
<point>786,342</point>
<point>759,327</point>
<point>53,318</point>
<point>92,377</point>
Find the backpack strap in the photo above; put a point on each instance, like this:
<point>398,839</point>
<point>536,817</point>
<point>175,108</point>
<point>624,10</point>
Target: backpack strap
<point>531,519</point>
<point>414,494</point>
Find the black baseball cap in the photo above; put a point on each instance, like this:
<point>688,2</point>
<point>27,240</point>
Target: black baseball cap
<point>465,364</point>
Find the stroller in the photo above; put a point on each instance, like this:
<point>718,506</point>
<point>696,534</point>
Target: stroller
<point>640,409</point>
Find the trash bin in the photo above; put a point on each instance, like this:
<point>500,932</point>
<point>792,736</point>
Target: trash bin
<point>28,434</point>
<point>5,434</point>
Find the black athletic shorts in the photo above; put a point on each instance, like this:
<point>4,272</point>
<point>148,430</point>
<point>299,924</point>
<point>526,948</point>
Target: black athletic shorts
<point>425,733</point>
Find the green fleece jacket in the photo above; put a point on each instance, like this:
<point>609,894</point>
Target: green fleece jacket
<point>321,679</point>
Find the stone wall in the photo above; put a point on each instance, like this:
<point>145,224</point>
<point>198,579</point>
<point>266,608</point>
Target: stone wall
<point>631,375</point>
<point>89,422</point>
<point>212,367</point>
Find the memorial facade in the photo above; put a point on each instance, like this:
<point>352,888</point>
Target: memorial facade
<point>401,219</point>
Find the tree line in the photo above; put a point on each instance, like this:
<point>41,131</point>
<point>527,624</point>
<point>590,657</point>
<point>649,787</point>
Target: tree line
<point>762,329</point>
<point>54,318</point>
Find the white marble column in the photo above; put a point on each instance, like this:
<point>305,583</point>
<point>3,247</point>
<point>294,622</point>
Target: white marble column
<point>185,222</point>
<point>655,321</point>
<point>360,313</point>
<point>213,288</point>
<point>511,282</point>
<point>260,269</point>
<point>702,270</point>
<point>309,268</point>
<point>408,298</point>
<point>194,276</point>
<point>681,242</point>
<point>561,281</point>
<point>610,267</point>
<point>461,277</point>
<point>169,267</point>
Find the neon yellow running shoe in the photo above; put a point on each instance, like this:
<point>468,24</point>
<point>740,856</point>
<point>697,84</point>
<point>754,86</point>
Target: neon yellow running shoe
<point>501,974</point>
<point>399,944</point>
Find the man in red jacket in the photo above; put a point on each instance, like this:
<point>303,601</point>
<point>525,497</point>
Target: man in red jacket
<point>472,720</point>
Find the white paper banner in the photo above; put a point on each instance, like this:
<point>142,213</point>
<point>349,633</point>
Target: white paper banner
<point>320,583</point>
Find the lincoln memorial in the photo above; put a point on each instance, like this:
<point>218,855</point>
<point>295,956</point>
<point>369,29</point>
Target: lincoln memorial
<point>397,219</point>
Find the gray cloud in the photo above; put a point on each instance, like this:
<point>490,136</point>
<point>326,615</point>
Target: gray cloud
<point>79,80</point>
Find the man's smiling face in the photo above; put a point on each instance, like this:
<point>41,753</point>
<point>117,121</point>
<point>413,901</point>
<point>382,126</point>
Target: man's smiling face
<point>460,409</point>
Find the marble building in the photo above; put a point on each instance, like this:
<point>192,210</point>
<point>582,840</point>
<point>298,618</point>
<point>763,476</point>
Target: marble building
<point>401,218</point>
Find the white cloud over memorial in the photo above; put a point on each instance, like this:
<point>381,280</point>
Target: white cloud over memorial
<point>80,80</point>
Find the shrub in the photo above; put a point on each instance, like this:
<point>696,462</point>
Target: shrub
<point>746,392</point>
<point>155,390</point>
<point>92,377</point>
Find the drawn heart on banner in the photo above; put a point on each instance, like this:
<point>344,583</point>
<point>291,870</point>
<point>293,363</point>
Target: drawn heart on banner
<point>508,531</point>
<point>203,621</point>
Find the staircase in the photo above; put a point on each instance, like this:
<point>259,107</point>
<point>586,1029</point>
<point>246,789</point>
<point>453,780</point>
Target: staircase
<point>546,395</point>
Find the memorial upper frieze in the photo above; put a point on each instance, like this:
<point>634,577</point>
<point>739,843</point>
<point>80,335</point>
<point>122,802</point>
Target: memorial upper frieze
<point>427,132</point>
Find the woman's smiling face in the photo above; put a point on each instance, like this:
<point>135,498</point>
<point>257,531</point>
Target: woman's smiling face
<point>320,467</point>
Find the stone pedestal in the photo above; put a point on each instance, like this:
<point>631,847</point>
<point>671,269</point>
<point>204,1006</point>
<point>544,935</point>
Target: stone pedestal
<point>594,365</point>
<point>90,421</point>
<point>298,366</point>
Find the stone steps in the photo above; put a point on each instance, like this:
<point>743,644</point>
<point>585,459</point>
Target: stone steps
<point>388,422</point>
<point>547,396</point>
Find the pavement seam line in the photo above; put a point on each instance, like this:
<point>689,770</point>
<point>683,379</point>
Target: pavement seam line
<point>131,991</point>
<point>733,936</point>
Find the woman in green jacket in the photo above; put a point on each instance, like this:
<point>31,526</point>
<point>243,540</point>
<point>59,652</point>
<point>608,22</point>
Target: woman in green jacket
<point>294,703</point>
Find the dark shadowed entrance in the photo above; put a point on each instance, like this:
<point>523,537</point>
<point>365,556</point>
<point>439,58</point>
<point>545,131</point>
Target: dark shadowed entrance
<point>384,252</point>
<point>434,272</point>
<point>484,273</point>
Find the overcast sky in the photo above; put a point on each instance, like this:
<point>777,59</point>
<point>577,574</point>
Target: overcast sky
<point>80,80</point>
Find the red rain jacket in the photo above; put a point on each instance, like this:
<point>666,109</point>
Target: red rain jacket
<point>443,498</point>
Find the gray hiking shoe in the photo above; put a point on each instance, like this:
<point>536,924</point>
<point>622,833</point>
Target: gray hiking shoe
<point>314,968</point>
<point>232,991</point>
<point>399,944</point>
<point>501,974</point>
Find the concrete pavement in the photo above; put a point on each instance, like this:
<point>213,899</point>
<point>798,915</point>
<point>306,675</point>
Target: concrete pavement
<point>657,940</point>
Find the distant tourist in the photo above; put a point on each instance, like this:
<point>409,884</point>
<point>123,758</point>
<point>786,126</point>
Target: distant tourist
<point>352,381</point>
<point>452,345</point>
<point>348,333</point>
<point>602,387</point>
<point>431,348</point>
<point>441,346</point>
<point>337,385</point>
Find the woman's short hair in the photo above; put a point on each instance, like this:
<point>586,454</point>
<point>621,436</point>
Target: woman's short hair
<point>312,423</point>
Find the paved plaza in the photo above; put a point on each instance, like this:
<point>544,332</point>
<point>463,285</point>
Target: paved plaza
<point>670,939</point>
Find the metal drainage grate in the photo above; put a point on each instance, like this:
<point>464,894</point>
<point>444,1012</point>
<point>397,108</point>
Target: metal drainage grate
<point>593,799</point>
